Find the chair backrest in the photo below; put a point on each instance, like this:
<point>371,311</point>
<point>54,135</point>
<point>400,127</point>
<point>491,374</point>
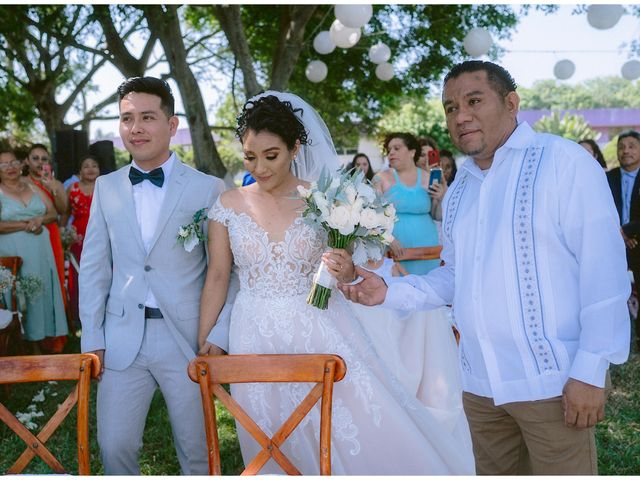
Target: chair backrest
<point>212,371</point>
<point>38,368</point>
<point>419,253</point>
<point>13,264</point>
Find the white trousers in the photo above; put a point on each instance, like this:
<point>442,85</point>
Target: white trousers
<point>124,398</point>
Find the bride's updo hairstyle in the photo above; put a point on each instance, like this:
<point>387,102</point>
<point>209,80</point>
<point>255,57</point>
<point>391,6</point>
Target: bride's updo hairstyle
<point>275,116</point>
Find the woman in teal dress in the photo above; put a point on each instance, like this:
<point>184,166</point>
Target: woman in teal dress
<point>405,185</point>
<point>23,210</point>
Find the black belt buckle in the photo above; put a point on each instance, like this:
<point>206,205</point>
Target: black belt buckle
<point>152,313</point>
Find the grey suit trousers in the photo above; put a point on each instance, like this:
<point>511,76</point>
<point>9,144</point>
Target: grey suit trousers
<point>124,398</point>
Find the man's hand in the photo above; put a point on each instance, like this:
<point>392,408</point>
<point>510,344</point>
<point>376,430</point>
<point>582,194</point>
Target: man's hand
<point>583,404</point>
<point>630,242</point>
<point>370,291</point>
<point>100,355</point>
<point>210,349</point>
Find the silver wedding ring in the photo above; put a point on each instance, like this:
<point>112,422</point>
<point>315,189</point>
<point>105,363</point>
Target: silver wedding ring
<point>33,229</point>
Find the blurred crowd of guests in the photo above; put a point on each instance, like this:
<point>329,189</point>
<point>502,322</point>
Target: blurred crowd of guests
<point>38,212</point>
<point>43,221</point>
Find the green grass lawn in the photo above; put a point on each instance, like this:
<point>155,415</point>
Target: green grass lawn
<point>617,437</point>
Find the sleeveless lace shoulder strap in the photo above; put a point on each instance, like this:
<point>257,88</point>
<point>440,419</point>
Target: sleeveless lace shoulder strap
<point>219,213</point>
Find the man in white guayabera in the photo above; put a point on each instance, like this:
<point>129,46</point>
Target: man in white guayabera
<point>535,269</point>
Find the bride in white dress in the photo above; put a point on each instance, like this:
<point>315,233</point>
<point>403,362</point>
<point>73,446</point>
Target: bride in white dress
<point>398,410</point>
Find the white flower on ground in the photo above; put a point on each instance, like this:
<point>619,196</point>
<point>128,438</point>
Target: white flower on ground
<point>39,397</point>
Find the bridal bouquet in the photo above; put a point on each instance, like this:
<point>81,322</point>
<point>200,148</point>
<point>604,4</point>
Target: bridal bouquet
<point>28,288</point>
<point>354,215</point>
<point>69,236</point>
<point>6,279</point>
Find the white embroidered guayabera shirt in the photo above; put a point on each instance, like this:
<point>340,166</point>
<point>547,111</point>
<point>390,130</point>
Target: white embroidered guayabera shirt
<point>535,268</point>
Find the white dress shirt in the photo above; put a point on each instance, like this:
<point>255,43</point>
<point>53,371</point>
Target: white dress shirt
<point>148,200</point>
<point>535,268</point>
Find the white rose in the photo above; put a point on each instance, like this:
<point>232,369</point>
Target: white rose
<point>366,191</point>
<point>355,211</point>
<point>340,219</point>
<point>369,219</point>
<point>322,203</point>
<point>387,237</point>
<point>183,232</point>
<point>304,192</point>
<point>351,193</point>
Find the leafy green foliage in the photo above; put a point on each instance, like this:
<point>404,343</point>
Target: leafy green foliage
<point>420,117</point>
<point>601,92</point>
<point>425,40</point>
<point>573,127</point>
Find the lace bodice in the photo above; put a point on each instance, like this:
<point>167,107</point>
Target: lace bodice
<point>267,268</point>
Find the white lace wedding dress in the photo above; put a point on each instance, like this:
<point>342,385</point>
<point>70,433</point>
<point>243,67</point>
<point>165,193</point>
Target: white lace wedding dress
<point>398,410</point>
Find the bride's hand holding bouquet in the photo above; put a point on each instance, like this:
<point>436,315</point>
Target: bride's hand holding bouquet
<point>355,216</point>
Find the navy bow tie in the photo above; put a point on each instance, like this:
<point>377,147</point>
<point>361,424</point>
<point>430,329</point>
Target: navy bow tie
<point>155,176</point>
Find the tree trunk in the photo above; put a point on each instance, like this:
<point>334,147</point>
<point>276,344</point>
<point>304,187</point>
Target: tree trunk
<point>290,43</point>
<point>231,23</point>
<point>164,23</point>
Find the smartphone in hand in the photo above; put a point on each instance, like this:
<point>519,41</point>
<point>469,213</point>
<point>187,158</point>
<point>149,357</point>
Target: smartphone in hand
<point>433,157</point>
<point>435,176</point>
<point>47,172</point>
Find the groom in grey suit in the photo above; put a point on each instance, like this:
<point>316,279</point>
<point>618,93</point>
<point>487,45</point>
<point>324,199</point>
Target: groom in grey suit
<point>140,289</point>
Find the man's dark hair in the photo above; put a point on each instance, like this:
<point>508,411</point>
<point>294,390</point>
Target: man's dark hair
<point>630,133</point>
<point>152,86</point>
<point>500,80</point>
<point>410,141</point>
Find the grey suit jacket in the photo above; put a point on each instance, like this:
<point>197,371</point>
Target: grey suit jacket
<point>116,270</point>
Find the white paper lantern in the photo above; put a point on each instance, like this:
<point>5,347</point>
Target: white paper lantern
<point>342,36</point>
<point>477,42</point>
<point>379,53</point>
<point>323,43</point>
<point>631,70</point>
<point>603,17</point>
<point>384,71</point>
<point>354,16</point>
<point>316,71</point>
<point>564,69</point>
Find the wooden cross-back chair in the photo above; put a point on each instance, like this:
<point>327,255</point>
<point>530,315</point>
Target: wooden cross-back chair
<point>40,368</point>
<point>212,371</point>
<point>11,333</point>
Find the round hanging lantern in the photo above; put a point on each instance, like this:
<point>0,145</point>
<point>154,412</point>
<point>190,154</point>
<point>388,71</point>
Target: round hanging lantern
<point>379,53</point>
<point>342,36</point>
<point>477,42</point>
<point>564,69</point>
<point>631,70</point>
<point>384,71</point>
<point>353,16</point>
<point>323,43</point>
<point>316,71</point>
<point>603,17</point>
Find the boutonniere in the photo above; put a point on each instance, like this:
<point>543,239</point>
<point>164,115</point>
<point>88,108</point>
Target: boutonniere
<point>190,235</point>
